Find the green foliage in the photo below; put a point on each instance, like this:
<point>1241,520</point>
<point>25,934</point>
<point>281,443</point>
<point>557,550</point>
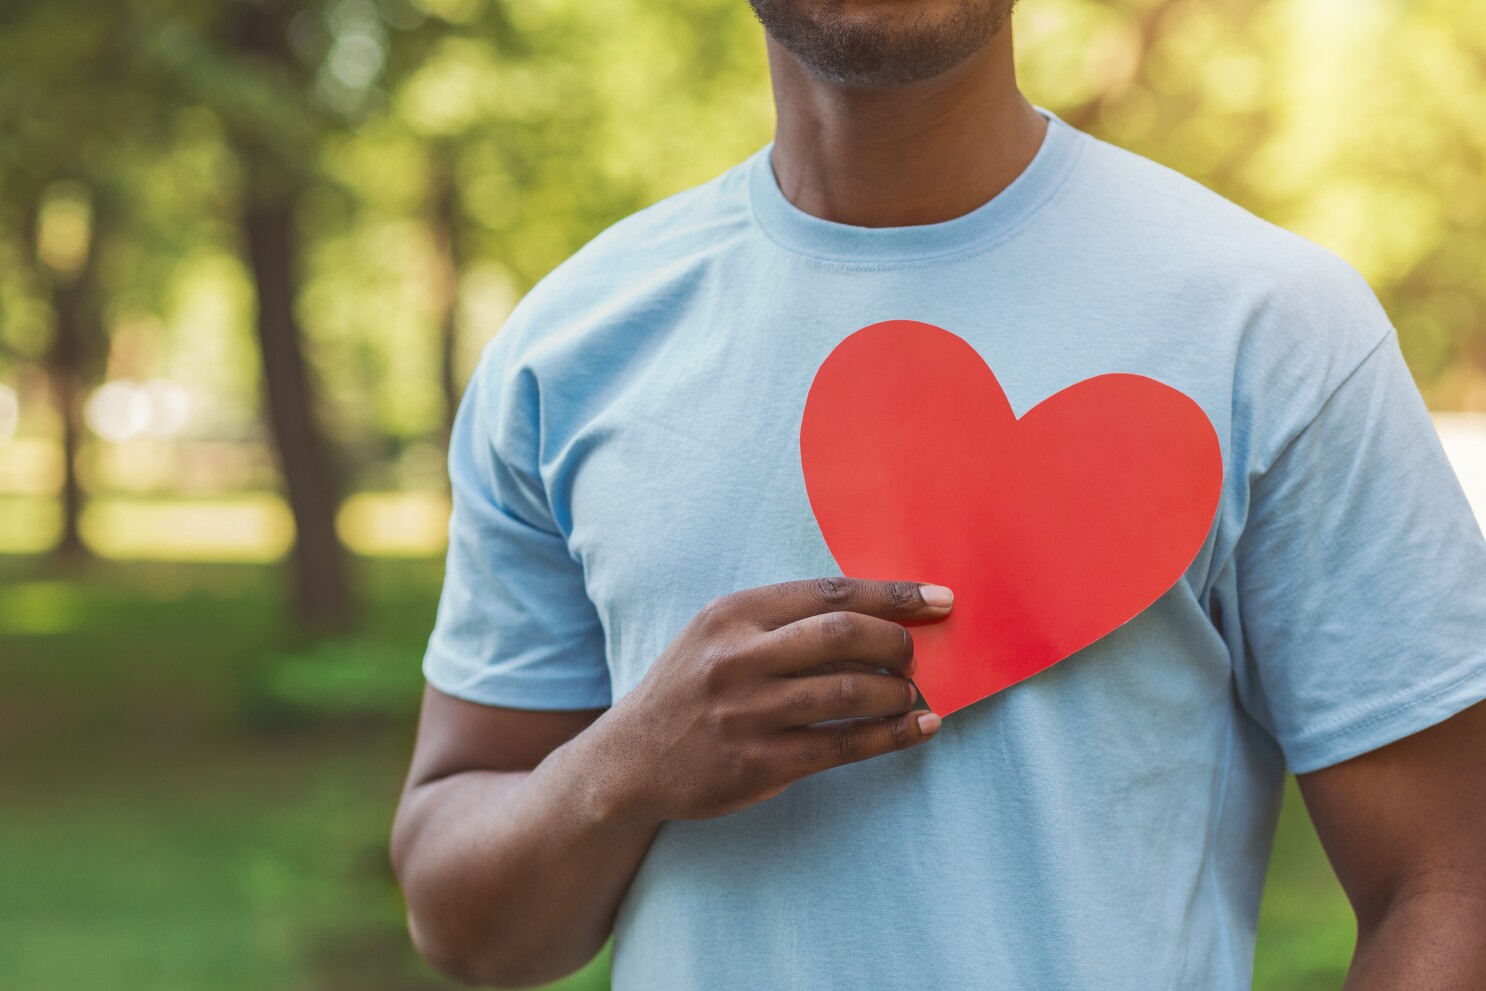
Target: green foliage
<point>199,798</point>
<point>163,834</point>
<point>1354,125</point>
<point>354,677</point>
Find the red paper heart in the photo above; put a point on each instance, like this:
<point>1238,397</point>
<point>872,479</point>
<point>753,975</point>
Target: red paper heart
<point>1052,529</point>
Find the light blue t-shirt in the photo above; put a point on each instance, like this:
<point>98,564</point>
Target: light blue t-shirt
<point>629,449</point>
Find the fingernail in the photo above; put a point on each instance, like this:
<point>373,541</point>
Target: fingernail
<point>937,596</point>
<point>928,724</point>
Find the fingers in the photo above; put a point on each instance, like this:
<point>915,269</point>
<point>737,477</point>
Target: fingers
<point>831,667</point>
<point>848,695</point>
<point>812,749</point>
<point>784,603</point>
<point>838,637</point>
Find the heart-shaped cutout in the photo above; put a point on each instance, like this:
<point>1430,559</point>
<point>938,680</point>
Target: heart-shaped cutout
<point>1052,529</point>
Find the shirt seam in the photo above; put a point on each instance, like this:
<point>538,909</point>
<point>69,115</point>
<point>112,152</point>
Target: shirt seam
<point>1216,566</point>
<point>1284,448</point>
<point>435,654</point>
<point>967,251</point>
<point>545,694</point>
<point>1328,732</point>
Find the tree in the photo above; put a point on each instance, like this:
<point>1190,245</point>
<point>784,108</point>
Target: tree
<point>236,60</point>
<point>272,190</point>
<point>66,229</point>
<point>65,127</point>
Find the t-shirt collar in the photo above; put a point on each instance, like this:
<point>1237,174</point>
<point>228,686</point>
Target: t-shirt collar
<point>807,234</point>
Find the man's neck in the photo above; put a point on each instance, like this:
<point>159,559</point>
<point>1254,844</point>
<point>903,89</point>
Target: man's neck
<point>897,156</point>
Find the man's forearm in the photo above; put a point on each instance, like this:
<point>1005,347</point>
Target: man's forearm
<point>1432,937</point>
<point>513,878</point>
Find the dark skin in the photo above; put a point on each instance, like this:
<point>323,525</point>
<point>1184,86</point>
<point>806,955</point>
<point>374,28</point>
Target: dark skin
<point>902,154</point>
<point>519,832</point>
<point>1405,829</point>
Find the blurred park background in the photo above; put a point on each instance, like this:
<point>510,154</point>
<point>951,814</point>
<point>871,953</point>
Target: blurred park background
<point>249,252</point>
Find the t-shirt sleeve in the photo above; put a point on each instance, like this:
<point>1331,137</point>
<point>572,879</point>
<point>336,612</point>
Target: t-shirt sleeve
<point>1361,575</point>
<point>515,626</point>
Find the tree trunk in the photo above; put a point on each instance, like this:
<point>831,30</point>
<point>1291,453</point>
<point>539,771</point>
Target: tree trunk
<point>272,188</point>
<point>322,595</point>
<point>67,387</point>
<point>76,340</point>
<point>444,224</point>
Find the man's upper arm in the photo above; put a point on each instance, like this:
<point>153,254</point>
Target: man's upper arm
<point>455,736</point>
<point>515,626</point>
<point>1361,577</point>
<point>1407,819</point>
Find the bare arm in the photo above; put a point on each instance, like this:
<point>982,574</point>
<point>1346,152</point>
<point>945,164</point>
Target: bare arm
<point>519,832</point>
<point>490,790</point>
<point>1405,829</point>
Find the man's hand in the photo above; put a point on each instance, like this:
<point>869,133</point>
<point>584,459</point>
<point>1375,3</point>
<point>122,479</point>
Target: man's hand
<point>732,712</point>
<point>519,832</point>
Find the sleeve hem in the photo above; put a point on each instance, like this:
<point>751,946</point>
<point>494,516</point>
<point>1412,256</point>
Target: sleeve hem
<point>1372,729</point>
<point>547,693</point>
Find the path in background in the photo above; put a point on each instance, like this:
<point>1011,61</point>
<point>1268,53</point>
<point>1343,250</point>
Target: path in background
<point>255,527</point>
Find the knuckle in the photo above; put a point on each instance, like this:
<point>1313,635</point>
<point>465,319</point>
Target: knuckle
<point>719,659</point>
<point>848,692</point>
<point>898,730</point>
<point>714,613</point>
<point>834,591</point>
<point>708,620</point>
<point>727,720</point>
<point>808,754</point>
<point>737,764</point>
<point>836,629</point>
<point>746,764</point>
<point>800,700</point>
<point>797,640</point>
<point>904,595</point>
<point>843,741</point>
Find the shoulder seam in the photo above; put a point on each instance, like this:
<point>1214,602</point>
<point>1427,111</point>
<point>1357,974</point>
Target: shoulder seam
<point>1390,334</point>
<point>1151,187</point>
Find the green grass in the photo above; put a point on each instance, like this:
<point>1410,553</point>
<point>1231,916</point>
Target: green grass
<point>1306,929</point>
<point>194,798</point>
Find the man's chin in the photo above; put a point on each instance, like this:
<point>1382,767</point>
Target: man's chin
<point>881,42</point>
